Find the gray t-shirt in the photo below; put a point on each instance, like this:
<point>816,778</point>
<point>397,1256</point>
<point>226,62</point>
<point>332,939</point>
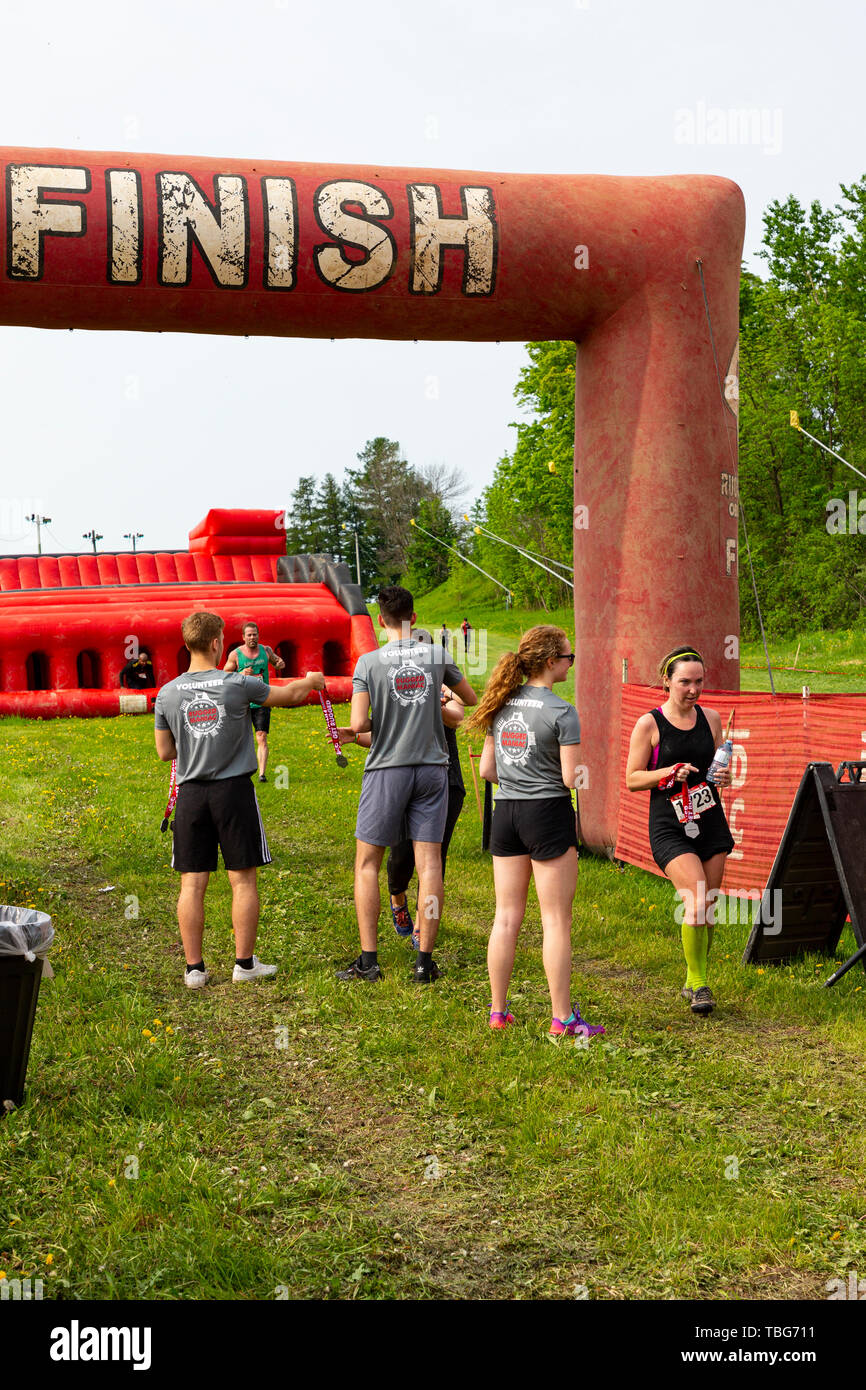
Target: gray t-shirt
<point>208,712</point>
<point>403,680</point>
<point>527,733</point>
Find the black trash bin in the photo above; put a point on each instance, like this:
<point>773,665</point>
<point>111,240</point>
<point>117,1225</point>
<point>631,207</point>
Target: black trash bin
<point>25,936</point>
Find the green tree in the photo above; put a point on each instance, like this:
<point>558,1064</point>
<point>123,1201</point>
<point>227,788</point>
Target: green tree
<point>429,563</point>
<point>329,517</point>
<point>801,348</point>
<point>529,501</point>
<point>302,529</point>
<point>384,492</point>
<point>367,543</point>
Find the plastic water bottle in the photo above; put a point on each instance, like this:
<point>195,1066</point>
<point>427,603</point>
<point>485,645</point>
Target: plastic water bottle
<point>721,759</point>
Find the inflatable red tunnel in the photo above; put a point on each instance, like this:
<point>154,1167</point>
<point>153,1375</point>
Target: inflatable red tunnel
<point>69,622</point>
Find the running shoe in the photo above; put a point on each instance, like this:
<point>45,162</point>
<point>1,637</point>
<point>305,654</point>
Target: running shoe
<point>426,974</point>
<point>403,924</point>
<point>703,1001</point>
<point>687,993</point>
<point>415,941</point>
<point>262,777</point>
<point>195,979</point>
<point>356,971</point>
<point>574,1025</point>
<point>257,971</point>
<point>501,1020</point>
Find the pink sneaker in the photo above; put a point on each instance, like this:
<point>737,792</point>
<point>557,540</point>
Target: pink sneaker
<point>498,1020</point>
<point>573,1026</point>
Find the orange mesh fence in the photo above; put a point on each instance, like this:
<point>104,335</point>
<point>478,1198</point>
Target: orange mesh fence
<point>775,737</point>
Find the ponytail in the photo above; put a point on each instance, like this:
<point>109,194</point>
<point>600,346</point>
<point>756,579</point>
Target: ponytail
<point>508,675</point>
<point>537,646</point>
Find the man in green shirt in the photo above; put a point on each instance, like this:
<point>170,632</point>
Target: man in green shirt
<point>253,659</point>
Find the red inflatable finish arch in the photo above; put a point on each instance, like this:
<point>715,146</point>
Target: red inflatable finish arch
<point>234,246</point>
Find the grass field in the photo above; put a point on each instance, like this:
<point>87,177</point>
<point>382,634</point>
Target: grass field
<point>299,1138</point>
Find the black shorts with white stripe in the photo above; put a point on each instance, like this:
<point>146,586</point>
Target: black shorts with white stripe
<point>220,814</point>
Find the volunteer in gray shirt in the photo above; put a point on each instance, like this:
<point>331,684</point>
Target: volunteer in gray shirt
<point>531,750</point>
<point>401,857</point>
<point>395,695</point>
<point>202,719</point>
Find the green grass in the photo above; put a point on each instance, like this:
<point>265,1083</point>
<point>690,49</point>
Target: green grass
<point>386,1144</point>
<point>828,662</point>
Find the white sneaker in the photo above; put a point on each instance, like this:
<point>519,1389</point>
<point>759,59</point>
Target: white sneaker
<point>196,979</point>
<point>256,972</point>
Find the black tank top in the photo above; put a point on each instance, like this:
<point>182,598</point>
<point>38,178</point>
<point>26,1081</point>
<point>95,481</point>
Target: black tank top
<point>696,746</point>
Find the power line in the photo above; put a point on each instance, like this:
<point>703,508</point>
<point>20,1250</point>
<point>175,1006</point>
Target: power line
<point>527,554</point>
<point>795,424</point>
<point>464,558</point>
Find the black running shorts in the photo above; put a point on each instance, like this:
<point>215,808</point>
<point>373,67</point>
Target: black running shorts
<point>261,717</point>
<point>542,829</point>
<point>221,814</point>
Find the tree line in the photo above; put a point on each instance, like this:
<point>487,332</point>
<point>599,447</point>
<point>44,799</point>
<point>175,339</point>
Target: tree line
<point>377,501</point>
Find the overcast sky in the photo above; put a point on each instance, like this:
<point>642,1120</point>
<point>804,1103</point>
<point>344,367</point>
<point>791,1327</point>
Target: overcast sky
<point>143,432</point>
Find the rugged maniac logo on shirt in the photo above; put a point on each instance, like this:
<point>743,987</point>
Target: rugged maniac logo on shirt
<point>409,683</point>
<point>202,716</point>
<point>514,740</point>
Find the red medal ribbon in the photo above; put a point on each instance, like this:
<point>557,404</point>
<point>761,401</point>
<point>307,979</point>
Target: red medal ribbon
<point>332,726</point>
<point>669,782</point>
<point>172,795</point>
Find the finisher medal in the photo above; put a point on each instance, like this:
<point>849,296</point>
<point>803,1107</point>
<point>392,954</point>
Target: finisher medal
<point>691,827</point>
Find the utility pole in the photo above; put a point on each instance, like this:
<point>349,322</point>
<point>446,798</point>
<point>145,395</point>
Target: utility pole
<point>93,536</point>
<point>39,521</point>
<point>133,536</point>
<point>357,551</point>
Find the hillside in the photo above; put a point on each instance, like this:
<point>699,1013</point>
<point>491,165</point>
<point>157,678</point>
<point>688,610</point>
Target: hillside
<point>829,662</point>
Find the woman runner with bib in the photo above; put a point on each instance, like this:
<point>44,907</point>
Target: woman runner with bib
<point>670,751</point>
<point>531,750</point>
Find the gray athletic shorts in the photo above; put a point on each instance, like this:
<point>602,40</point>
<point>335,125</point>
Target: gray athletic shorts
<point>392,797</point>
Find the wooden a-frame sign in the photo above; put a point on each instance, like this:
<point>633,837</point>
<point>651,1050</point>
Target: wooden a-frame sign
<point>819,869</point>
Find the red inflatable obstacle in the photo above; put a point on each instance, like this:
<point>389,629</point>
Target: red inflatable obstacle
<point>642,273</point>
<point>68,623</point>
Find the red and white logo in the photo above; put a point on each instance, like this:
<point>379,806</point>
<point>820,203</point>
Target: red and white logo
<point>409,683</point>
<point>514,740</point>
<point>202,716</point>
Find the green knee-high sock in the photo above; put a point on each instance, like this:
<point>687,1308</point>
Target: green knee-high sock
<point>695,951</point>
